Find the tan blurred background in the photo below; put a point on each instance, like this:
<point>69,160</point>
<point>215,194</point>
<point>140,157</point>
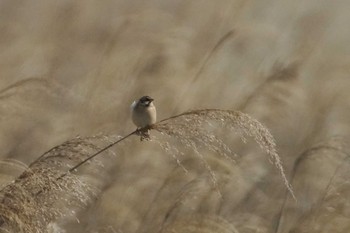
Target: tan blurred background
<point>72,68</point>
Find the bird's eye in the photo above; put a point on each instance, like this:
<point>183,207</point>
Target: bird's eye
<point>146,100</point>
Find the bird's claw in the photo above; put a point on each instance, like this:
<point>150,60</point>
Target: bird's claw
<point>144,134</point>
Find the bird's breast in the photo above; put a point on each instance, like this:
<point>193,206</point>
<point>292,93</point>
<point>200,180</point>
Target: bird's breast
<point>144,116</point>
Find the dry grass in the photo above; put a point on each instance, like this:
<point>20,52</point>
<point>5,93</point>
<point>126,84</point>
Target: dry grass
<point>48,191</point>
<point>72,68</point>
<point>331,157</point>
<point>192,130</point>
<point>38,197</point>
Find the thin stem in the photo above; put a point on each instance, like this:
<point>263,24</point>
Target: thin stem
<point>97,153</point>
<point>195,112</point>
<point>41,156</point>
<point>204,63</point>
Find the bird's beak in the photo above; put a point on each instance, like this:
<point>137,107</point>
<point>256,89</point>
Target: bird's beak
<point>151,100</point>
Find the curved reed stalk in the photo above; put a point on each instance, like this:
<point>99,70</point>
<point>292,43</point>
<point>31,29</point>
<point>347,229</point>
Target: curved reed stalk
<point>192,126</point>
<point>190,129</point>
<point>48,190</point>
<point>37,198</point>
<point>219,44</point>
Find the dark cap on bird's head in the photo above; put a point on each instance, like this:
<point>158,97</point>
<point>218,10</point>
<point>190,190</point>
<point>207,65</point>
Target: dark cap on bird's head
<point>146,100</point>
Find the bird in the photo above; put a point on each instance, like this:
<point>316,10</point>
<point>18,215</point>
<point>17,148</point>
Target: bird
<point>143,115</point>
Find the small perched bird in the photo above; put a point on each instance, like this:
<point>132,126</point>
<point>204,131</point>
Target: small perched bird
<point>143,114</point>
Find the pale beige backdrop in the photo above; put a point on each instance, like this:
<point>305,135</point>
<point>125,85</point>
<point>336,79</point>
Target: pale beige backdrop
<point>71,68</point>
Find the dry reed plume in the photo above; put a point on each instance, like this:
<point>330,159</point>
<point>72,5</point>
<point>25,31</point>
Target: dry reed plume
<point>48,190</point>
<point>332,156</point>
<point>192,129</point>
<point>38,197</point>
<point>70,68</point>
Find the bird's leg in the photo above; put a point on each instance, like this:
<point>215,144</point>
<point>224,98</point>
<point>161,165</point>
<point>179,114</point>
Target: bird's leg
<point>144,134</point>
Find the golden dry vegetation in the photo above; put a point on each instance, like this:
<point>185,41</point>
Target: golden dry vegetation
<point>70,69</point>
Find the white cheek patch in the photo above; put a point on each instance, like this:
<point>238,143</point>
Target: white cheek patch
<point>133,105</point>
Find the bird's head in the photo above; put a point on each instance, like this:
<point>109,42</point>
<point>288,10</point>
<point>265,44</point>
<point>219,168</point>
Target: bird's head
<point>146,100</point>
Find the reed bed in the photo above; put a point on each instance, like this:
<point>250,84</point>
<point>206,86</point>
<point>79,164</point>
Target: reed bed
<point>269,80</point>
